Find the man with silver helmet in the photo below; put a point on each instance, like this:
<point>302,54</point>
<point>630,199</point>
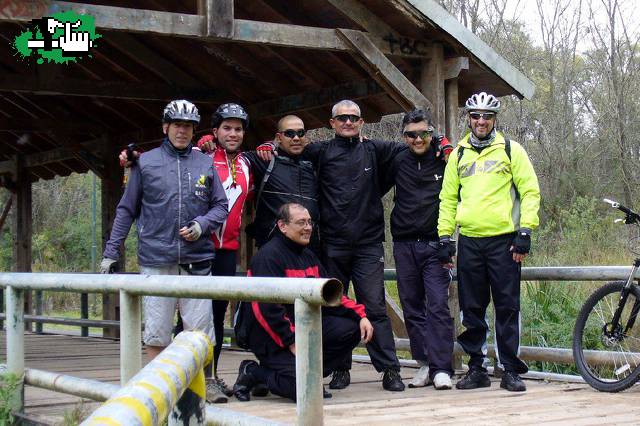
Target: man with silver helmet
<point>490,190</point>
<point>175,197</point>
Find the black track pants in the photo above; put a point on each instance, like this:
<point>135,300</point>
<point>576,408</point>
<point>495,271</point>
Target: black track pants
<point>486,270</point>
<point>364,266</point>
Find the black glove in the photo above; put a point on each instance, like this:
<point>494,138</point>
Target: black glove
<point>446,250</point>
<point>522,242</point>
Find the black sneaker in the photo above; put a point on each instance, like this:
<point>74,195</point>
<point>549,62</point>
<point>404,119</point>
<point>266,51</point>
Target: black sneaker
<point>260,389</point>
<point>325,394</point>
<point>340,379</point>
<point>391,380</point>
<point>512,382</point>
<point>245,381</point>
<point>474,379</point>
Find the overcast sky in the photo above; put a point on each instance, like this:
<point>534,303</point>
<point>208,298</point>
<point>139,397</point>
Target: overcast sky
<point>527,11</point>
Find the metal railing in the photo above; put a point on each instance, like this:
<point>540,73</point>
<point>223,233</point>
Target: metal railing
<point>307,294</point>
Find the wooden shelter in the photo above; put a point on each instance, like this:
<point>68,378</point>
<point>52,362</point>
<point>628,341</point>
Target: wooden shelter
<point>272,56</point>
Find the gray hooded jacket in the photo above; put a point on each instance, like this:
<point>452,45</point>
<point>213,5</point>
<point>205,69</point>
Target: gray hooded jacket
<point>166,190</point>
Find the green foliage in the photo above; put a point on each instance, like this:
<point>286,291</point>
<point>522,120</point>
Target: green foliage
<point>76,415</point>
<point>8,385</point>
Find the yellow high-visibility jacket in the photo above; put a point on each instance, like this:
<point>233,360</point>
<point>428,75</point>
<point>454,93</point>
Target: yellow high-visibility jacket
<point>496,195</point>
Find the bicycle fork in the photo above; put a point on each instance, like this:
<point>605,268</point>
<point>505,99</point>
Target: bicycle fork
<point>624,295</point>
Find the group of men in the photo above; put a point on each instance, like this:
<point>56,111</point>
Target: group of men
<point>319,214</point>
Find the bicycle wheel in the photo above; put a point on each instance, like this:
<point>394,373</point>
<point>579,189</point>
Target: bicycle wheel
<point>608,360</point>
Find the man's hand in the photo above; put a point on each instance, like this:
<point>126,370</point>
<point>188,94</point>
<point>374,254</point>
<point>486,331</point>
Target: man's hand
<point>106,265</point>
<point>127,160</point>
<point>521,245</point>
<point>292,349</point>
<point>366,330</point>
<point>207,144</point>
<point>266,151</point>
<point>446,252</point>
<point>192,232</point>
<point>443,147</point>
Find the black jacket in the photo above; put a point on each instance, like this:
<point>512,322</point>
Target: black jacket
<point>291,180</point>
<point>351,183</point>
<point>281,257</point>
<point>418,181</point>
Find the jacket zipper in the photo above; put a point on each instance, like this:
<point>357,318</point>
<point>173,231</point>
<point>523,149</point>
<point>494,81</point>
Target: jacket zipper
<point>179,207</point>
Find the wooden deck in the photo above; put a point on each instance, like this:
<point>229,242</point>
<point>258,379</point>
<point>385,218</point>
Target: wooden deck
<point>364,402</point>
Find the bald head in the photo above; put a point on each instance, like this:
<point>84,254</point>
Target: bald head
<point>284,122</point>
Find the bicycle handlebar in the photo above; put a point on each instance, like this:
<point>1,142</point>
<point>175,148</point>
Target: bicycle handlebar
<point>632,217</point>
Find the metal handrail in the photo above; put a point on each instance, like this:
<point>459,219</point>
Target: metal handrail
<point>307,294</point>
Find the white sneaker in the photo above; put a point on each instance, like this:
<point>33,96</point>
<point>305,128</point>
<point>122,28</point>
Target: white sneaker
<point>442,381</point>
<point>421,379</point>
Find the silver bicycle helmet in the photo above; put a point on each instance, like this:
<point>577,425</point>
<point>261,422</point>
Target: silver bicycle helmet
<point>180,110</point>
<point>483,101</point>
<point>230,110</point>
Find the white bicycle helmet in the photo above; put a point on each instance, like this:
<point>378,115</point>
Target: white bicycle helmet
<point>483,101</point>
<point>181,110</point>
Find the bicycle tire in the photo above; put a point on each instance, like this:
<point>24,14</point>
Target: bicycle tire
<point>589,335</point>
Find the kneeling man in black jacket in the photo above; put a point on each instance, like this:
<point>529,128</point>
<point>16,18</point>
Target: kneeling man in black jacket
<point>271,326</point>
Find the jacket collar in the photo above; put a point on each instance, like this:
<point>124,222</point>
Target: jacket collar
<point>498,141</point>
<point>352,140</point>
<point>292,245</point>
<point>170,149</point>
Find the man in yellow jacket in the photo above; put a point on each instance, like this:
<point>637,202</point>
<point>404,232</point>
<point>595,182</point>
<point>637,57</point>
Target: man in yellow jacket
<point>491,192</point>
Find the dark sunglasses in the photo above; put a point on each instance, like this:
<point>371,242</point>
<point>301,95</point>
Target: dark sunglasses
<point>485,115</point>
<point>424,134</point>
<point>290,133</point>
<point>343,118</point>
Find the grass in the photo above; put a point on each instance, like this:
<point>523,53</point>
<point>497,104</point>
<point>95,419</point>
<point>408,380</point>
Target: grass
<point>8,384</point>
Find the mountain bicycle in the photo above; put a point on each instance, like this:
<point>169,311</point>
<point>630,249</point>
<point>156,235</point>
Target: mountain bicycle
<point>606,338</point>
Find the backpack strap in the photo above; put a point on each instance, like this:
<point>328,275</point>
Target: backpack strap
<point>265,178</point>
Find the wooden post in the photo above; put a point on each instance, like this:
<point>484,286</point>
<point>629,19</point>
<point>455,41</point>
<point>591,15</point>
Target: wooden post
<point>22,226</point>
<point>218,17</point>
<point>432,84</point>
<point>451,110</point>
<point>110,196</point>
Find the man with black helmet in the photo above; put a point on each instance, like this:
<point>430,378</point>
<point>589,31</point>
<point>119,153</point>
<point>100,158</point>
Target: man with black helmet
<point>177,201</point>
<point>490,190</point>
<point>229,123</point>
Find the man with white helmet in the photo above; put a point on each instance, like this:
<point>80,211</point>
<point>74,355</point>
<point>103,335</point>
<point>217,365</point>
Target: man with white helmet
<point>490,190</point>
<point>175,197</point>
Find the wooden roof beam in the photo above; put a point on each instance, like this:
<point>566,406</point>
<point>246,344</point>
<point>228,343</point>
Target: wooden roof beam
<point>195,26</point>
<point>383,71</point>
<point>218,16</point>
<point>314,99</point>
<point>103,89</point>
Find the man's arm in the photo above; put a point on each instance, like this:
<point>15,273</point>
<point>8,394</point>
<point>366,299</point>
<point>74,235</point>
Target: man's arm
<point>526,182</point>
<point>449,197</point>
<point>386,151</point>
<point>218,206</point>
<point>272,317</point>
<point>127,211</point>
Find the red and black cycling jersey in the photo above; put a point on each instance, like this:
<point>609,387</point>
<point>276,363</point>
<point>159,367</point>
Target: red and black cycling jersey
<point>282,257</point>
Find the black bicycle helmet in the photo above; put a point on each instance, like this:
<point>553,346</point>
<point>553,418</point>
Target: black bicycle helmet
<point>230,110</point>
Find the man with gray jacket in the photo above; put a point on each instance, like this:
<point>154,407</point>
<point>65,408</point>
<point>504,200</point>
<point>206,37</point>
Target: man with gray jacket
<point>175,197</point>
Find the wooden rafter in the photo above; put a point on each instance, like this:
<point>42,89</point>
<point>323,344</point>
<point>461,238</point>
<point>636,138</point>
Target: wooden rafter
<point>384,71</point>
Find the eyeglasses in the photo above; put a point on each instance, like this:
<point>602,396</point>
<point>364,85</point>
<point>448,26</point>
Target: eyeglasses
<point>485,115</point>
<point>290,133</point>
<point>424,134</point>
<point>302,223</point>
<point>343,118</point>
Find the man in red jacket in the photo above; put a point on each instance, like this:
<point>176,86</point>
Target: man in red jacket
<point>270,327</point>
